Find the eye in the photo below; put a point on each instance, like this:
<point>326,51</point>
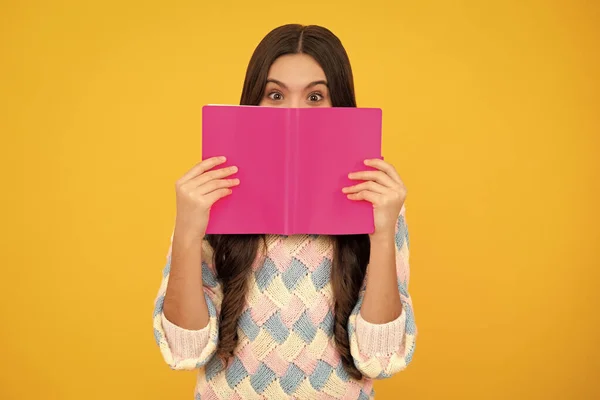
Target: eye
<point>275,96</point>
<point>314,97</point>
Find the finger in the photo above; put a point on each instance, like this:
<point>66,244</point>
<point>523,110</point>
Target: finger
<point>377,176</point>
<point>212,175</point>
<point>385,167</point>
<point>213,197</point>
<point>211,186</point>
<point>371,197</point>
<point>202,167</point>
<point>368,185</point>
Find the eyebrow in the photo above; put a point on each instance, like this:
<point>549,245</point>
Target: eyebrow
<point>315,83</point>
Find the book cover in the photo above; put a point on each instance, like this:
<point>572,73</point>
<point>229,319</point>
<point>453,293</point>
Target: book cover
<point>293,164</point>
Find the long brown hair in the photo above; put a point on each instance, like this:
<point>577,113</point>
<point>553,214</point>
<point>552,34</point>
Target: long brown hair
<point>235,254</point>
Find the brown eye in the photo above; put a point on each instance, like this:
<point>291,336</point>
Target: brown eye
<point>276,96</point>
<point>314,97</point>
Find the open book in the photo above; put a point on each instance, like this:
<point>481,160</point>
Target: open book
<point>293,164</point>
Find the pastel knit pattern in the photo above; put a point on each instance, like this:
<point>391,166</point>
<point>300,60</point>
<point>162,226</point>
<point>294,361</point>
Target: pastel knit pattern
<point>286,348</point>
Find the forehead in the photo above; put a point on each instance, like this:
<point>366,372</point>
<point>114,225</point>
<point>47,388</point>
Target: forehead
<point>296,70</point>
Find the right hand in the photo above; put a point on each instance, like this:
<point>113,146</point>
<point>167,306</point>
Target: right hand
<point>197,191</point>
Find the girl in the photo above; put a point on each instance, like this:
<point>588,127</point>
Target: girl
<point>275,317</point>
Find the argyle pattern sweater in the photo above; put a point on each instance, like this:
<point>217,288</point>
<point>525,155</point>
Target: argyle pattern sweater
<point>286,348</point>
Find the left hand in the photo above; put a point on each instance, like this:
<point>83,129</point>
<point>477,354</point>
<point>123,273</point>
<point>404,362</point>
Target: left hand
<point>384,189</point>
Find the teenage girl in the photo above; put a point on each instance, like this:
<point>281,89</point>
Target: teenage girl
<point>302,316</point>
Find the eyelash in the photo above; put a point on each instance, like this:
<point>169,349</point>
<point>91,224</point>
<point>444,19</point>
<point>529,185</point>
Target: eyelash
<point>316,94</point>
<point>320,96</point>
<point>270,95</point>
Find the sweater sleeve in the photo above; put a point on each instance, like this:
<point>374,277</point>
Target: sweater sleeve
<point>184,349</point>
<point>381,350</point>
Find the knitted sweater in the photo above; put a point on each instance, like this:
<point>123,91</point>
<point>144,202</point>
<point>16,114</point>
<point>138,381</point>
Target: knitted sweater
<point>286,348</point>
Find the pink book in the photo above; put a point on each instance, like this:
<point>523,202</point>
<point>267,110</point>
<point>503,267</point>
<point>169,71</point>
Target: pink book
<point>293,164</point>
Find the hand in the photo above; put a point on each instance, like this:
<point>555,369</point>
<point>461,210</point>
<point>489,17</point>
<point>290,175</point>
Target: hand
<point>197,191</point>
<point>384,189</point>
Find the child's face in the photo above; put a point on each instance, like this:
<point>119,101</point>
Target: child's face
<point>296,80</point>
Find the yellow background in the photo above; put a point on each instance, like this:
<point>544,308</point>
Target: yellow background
<point>490,115</point>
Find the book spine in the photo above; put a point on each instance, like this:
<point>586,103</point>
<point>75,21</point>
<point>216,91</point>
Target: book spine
<point>292,174</point>
<point>287,174</point>
<point>294,169</point>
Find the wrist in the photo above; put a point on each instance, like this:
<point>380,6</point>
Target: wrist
<point>383,237</point>
<point>188,234</point>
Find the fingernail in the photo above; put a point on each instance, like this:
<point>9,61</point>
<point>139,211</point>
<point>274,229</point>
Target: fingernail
<point>222,158</point>
<point>234,169</point>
